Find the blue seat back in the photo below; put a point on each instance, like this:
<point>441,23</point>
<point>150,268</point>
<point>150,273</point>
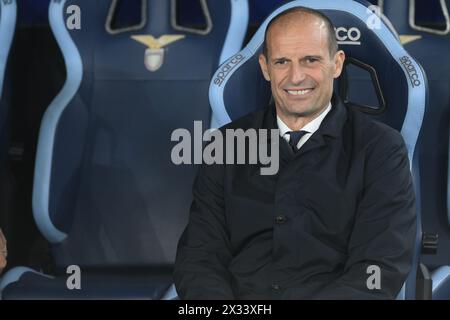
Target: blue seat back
<point>238,87</point>
<point>8,11</point>
<point>106,192</point>
<point>432,50</point>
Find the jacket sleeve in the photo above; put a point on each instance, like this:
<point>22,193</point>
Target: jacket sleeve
<point>203,255</point>
<point>385,227</point>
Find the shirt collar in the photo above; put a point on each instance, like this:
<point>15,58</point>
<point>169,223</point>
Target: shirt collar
<point>311,126</point>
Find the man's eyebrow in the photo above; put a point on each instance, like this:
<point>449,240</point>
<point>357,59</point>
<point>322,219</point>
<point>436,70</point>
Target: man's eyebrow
<point>280,58</point>
<point>318,57</point>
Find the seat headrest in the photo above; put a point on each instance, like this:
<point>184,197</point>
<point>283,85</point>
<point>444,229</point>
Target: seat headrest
<point>403,15</point>
<point>120,34</point>
<point>238,87</point>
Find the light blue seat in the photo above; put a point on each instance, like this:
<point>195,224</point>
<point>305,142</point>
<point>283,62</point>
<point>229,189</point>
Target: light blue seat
<point>7,27</point>
<point>8,15</point>
<point>106,193</point>
<point>431,47</point>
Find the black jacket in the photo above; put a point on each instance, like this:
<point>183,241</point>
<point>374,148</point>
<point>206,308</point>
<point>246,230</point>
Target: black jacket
<point>344,202</point>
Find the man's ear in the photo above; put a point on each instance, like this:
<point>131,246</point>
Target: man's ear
<point>339,59</point>
<point>263,65</point>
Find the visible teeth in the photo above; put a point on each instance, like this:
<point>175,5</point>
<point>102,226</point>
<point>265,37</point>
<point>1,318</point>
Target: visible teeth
<point>299,92</point>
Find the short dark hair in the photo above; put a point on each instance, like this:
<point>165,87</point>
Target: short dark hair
<point>332,42</point>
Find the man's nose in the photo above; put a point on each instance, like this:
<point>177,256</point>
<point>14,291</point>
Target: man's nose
<point>297,74</point>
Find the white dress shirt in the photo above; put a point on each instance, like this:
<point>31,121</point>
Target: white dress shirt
<point>311,127</point>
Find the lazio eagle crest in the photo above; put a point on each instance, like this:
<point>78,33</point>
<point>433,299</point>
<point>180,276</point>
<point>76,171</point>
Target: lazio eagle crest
<point>154,54</point>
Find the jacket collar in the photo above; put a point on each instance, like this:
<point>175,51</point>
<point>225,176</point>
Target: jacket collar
<point>334,121</point>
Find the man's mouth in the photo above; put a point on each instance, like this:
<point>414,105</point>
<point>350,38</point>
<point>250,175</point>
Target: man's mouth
<point>301,92</point>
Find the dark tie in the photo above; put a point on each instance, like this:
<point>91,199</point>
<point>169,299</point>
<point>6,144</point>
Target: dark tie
<point>295,138</point>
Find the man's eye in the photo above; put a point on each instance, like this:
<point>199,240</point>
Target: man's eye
<point>280,62</point>
<point>311,60</point>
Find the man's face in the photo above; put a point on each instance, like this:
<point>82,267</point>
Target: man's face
<point>299,66</point>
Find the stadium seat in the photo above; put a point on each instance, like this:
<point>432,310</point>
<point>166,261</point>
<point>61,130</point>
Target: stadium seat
<point>7,29</point>
<point>431,47</point>
<point>238,88</point>
<point>106,193</point>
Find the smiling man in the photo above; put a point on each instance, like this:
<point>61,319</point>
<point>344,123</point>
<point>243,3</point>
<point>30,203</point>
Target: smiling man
<point>338,219</point>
